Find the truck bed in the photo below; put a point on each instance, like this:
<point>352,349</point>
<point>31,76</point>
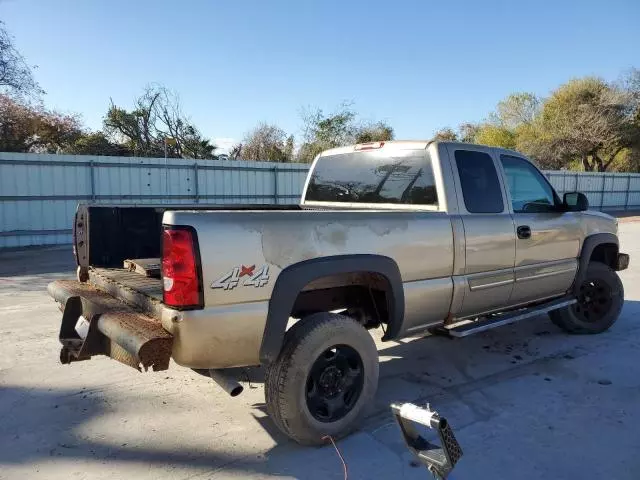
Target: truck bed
<point>135,289</point>
<point>106,235</point>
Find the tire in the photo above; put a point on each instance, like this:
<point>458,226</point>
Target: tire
<point>600,300</point>
<point>324,379</point>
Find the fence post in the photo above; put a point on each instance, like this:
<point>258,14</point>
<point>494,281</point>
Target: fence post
<point>604,182</point>
<point>626,197</point>
<point>196,192</point>
<point>577,179</point>
<point>275,185</point>
<point>93,181</point>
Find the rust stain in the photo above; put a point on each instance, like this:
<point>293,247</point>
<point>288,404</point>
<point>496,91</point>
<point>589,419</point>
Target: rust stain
<point>142,337</point>
<point>132,337</point>
<point>448,320</point>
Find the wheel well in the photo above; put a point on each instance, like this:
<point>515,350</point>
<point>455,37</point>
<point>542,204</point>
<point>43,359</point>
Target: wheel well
<point>364,296</point>
<point>605,253</point>
<point>294,294</point>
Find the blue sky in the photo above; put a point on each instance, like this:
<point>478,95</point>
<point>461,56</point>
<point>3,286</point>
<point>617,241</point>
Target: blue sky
<point>418,65</point>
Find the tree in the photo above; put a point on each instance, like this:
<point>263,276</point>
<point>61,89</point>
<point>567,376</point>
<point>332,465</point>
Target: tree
<point>516,110</point>
<point>333,130</point>
<point>495,136</point>
<point>631,84</point>
<point>586,119</point>
<point>96,143</point>
<point>194,146</point>
<point>446,134</point>
<point>15,74</point>
<point>374,132</point>
<point>155,125</point>
<point>324,131</point>
<point>587,123</point>
<point>289,147</point>
<point>235,152</point>
<point>32,128</point>
<point>468,132</point>
<point>267,143</point>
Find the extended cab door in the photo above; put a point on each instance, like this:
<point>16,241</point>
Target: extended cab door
<point>547,239</point>
<point>489,236</point>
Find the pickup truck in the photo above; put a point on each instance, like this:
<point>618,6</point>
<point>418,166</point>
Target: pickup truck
<point>410,237</point>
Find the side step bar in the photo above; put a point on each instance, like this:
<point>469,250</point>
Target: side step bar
<point>507,318</point>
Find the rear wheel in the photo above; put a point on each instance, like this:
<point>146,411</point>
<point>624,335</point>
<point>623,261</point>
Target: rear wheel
<point>599,301</point>
<point>323,380</point>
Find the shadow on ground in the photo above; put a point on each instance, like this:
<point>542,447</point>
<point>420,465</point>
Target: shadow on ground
<point>27,444</point>
<point>48,260</point>
<point>48,424</point>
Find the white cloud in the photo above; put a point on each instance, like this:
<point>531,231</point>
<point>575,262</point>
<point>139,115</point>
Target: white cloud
<point>224,144</point>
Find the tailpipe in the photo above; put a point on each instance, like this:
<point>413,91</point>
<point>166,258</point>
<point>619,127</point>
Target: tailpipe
<point>226,381</point>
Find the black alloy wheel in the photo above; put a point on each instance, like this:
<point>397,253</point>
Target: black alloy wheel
<point>320,386</point>
<point>334,383</point>
<point>594,300</point>
<point>599,300</point>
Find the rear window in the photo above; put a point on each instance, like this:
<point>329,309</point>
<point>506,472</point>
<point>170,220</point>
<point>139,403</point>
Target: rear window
<point>402,177</point>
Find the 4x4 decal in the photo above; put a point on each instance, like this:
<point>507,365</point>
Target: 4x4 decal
<point>231,279</point>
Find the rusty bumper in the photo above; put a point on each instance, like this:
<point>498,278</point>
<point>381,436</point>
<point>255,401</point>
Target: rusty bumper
<point>114,329</point>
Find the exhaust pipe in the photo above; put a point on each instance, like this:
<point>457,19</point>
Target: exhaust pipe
<point>228,382</point>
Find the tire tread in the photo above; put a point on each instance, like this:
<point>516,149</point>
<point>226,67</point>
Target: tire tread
<point>278,374</point>
<point>564,317</point>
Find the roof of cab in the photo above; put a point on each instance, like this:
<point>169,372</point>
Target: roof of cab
<point>416,145</point>
<point>392,144</point>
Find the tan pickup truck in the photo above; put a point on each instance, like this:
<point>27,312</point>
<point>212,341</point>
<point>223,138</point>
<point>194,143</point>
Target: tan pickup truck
<point>409,237</point>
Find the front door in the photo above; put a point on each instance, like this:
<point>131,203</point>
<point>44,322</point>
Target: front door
<point>547,240</point>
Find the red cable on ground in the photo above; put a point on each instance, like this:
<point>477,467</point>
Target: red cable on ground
<point>344,464</point>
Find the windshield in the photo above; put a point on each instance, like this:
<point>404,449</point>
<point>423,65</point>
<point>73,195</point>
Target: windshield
<point>403,177</point>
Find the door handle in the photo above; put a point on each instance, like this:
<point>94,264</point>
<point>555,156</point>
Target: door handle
<point>524,231</point>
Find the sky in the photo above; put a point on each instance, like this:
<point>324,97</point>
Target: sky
<point>418,65</point>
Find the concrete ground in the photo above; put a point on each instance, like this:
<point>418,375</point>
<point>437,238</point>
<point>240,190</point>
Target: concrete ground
<point>526,401</point>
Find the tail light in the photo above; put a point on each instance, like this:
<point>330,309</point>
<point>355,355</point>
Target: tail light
<point>181,275</point>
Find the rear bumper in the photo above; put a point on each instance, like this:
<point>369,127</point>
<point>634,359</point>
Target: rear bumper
<point>622,261</point>
<point>114,330</point>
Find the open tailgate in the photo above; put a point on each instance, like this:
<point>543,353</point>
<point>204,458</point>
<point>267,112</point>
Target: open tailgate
<point>114,329</point>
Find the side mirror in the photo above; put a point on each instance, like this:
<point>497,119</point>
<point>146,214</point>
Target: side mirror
<point>575,202</point>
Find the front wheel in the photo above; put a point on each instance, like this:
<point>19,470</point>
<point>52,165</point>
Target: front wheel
<point>599,301</point>
<point>323,380</point>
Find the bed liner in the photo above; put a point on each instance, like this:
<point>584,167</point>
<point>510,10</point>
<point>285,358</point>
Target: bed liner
<point>139,291</point>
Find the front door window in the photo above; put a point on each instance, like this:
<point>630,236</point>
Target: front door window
<point>530,191</point>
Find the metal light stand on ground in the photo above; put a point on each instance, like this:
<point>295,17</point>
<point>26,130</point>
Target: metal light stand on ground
<point>439,459</point>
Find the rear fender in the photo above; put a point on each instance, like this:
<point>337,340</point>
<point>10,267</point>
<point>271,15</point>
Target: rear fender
<point>295,277</point>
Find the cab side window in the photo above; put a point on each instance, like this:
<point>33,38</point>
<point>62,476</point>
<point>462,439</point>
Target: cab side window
<point>530,191</point>
<point>479,180</point>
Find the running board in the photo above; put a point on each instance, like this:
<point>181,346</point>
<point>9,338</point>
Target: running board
<point>508,318</point>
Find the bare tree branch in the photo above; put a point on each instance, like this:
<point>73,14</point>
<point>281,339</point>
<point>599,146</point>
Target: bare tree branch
<point>15,74</point>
